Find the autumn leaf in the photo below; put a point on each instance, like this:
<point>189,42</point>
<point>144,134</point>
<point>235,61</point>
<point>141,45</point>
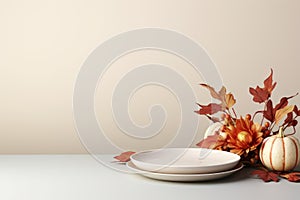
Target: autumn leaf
<point>283,102</point>
<point>209,109</point>
<point>265,175</point>
<point>222,93</point>
<point>261,95</point>
<point>217,95</point>
<point>294,123</point>
<point>282,112</point>
<point>269,112</point>
<point>292,177</point>
<point>229,100</point>
<point>209,142</point>
<point>296,111</point>
<point>268,83</point>
<point>289,119</point>
<point>125,156</point>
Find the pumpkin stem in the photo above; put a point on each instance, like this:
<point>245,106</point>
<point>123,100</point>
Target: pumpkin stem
<point>281,133</point>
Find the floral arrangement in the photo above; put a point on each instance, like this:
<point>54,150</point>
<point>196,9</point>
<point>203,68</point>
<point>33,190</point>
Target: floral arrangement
<point>244,135</point>
<point>248,135</point>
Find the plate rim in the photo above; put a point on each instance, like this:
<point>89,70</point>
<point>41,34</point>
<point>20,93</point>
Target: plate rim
<point>237,159</point>
<point>164,176</point>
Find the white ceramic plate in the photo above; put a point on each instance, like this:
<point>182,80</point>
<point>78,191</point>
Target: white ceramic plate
<point>184,177</point>
<point>185,160</point>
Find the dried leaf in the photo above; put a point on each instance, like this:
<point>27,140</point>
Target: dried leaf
<point>282,112</point>
<point>296,111</point>
<point>289,119</point>
<point>283,102</point>
<point>125,156</point>
<point>229,100</point>
<point>209,142</point>
<point>209,109</point>
<point>222,93</point>
<point>294,123</point>
<point>268,83</point>
<point>293,176</point>
<point>268,113</point>
<point>213,92</point>
<point>217,95</point>
<point>265,175</point>
<point>259,94</point>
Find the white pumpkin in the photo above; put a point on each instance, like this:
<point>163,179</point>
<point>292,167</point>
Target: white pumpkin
<point>280,152</point>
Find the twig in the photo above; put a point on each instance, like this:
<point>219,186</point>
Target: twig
<point>234,112</point>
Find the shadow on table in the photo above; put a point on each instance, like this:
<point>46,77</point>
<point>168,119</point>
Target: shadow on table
<point>236,177</point>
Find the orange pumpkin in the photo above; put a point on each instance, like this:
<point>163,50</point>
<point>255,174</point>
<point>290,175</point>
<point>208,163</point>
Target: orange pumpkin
<point>280,152</point>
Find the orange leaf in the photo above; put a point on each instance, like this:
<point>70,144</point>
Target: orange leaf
<point>229,100</point>
<point>282,112</point>
<point>265,175</point>
<point>268,83</point>
<point>125,156</point>
<point>293,176</point>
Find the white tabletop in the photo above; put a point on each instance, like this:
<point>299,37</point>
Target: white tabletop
<point>81,177</point>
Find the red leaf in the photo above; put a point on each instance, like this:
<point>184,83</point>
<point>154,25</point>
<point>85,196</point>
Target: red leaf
<point>283,102</point>
<point>294,123</point>
<point>296,111</point>
<point>289,119</point>
<point>208,142</point>
<point>265,175</point>
<point>209,109</point>
<point>268,113</point>
<point>125,156</point>
<point>293,176</point>
<point>259,94</point>
<point>268,83</point>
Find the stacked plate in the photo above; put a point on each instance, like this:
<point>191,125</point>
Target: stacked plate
<point>185,164</point>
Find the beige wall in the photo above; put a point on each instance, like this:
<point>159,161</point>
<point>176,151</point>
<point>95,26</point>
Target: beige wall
<point>44,43</point>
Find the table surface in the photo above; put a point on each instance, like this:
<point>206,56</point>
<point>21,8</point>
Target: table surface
<point>82,177</point>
